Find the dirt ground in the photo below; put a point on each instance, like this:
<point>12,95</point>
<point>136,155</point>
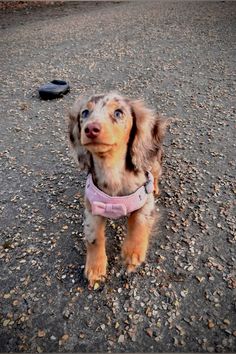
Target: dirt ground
<point>180,58</point>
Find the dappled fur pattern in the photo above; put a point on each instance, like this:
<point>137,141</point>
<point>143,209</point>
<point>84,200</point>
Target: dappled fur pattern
<point>117,140</point>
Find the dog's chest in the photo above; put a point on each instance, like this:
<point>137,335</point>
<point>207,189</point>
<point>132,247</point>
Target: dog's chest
<point>118,183</point>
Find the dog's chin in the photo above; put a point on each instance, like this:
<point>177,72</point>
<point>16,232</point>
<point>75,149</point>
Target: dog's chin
<point>98,147</point>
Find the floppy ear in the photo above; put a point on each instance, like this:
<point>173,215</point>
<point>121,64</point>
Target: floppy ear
<point>80,154</point>
<point>146,136</point>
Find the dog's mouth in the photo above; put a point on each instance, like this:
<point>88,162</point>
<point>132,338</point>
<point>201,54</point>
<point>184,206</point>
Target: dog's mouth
<point>97,143</point>
<point>98,146</point>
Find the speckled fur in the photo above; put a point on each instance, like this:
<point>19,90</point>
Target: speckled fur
<point>118,159</point>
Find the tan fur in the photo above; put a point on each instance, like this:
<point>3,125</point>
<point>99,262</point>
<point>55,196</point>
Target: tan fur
<point>118,158</point>
<point>135,245</point>
<point>96,260</point>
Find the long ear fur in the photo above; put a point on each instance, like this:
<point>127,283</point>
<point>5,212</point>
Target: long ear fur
<point>80,154</point>
<point>147,135</point>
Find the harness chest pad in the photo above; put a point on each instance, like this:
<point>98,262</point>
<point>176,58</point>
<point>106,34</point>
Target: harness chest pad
<point>115,207</point>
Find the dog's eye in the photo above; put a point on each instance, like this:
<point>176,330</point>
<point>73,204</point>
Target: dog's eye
<point>118,113</point>
<point>85,113</point>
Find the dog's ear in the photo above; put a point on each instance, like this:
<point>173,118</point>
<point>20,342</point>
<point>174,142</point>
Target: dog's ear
<point>80,154</point>
<point>147,134</point>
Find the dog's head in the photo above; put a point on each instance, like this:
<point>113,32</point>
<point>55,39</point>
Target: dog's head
<point>103,123</point>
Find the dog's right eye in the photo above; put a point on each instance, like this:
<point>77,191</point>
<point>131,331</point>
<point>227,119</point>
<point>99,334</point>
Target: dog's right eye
<point>85,113</point>
<point>118,113</point>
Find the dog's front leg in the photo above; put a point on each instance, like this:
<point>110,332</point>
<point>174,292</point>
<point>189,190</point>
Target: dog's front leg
<point>135,245</point>
<point>96,259</point>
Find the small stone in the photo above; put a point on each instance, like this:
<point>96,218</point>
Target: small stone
<point>65,337</point>
<point>41,333</point>
<point>159,324</point>
<point>226,321</point>
<point>103,327</point>
<point>96,286</point>
<point>200,279</point>
<point>121,338</point>
<point>6,323</point>
<point>66,314</point>
<point>149,332</point>
<point>117,325</point>
<point>184,293</point>
<point>133,337</point>
<point>181,330</point>
<point>176,341</point>
<point>211,324</point>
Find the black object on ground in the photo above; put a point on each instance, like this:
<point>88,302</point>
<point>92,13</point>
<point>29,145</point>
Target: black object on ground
<point>53,89</point>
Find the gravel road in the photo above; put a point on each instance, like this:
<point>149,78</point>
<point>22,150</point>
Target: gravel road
<point>180,58</point>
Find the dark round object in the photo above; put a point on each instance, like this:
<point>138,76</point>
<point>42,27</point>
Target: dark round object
<point>53,89</point>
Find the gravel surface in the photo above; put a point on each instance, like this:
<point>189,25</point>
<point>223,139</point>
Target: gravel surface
<point>180,58</point>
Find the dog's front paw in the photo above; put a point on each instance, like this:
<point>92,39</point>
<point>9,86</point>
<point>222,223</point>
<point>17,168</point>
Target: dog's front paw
<point>95,269</point>
<point>133,255</point>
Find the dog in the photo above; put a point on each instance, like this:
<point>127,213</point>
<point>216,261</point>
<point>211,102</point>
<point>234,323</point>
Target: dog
<point>118,141</point>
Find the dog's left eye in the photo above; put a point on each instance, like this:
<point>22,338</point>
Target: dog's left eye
<point>85,113</point>
<point>118,113</point>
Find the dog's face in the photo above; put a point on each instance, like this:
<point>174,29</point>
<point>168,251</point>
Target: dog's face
<point>105,123</point>
<point>102,123</point>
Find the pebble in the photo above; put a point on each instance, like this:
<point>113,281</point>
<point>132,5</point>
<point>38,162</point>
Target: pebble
<point>211,324</point>
<point>41,333</point>
<point>149,332</point>
<point>121,338</point>
<point>53,338</point>
<point>6,323</point>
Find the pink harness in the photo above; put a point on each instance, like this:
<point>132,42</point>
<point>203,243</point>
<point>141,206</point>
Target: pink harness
<point>115,207</point>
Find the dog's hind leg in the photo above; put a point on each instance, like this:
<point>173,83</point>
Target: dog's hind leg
<point>157,171</point>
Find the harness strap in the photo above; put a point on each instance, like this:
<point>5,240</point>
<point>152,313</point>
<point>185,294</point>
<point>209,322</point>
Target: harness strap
<point>115,207</point>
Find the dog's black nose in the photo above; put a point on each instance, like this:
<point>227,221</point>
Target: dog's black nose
<point>92,130</point>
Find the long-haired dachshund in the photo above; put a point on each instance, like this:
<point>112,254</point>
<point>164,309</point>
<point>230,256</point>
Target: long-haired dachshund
<point>119,142</point>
